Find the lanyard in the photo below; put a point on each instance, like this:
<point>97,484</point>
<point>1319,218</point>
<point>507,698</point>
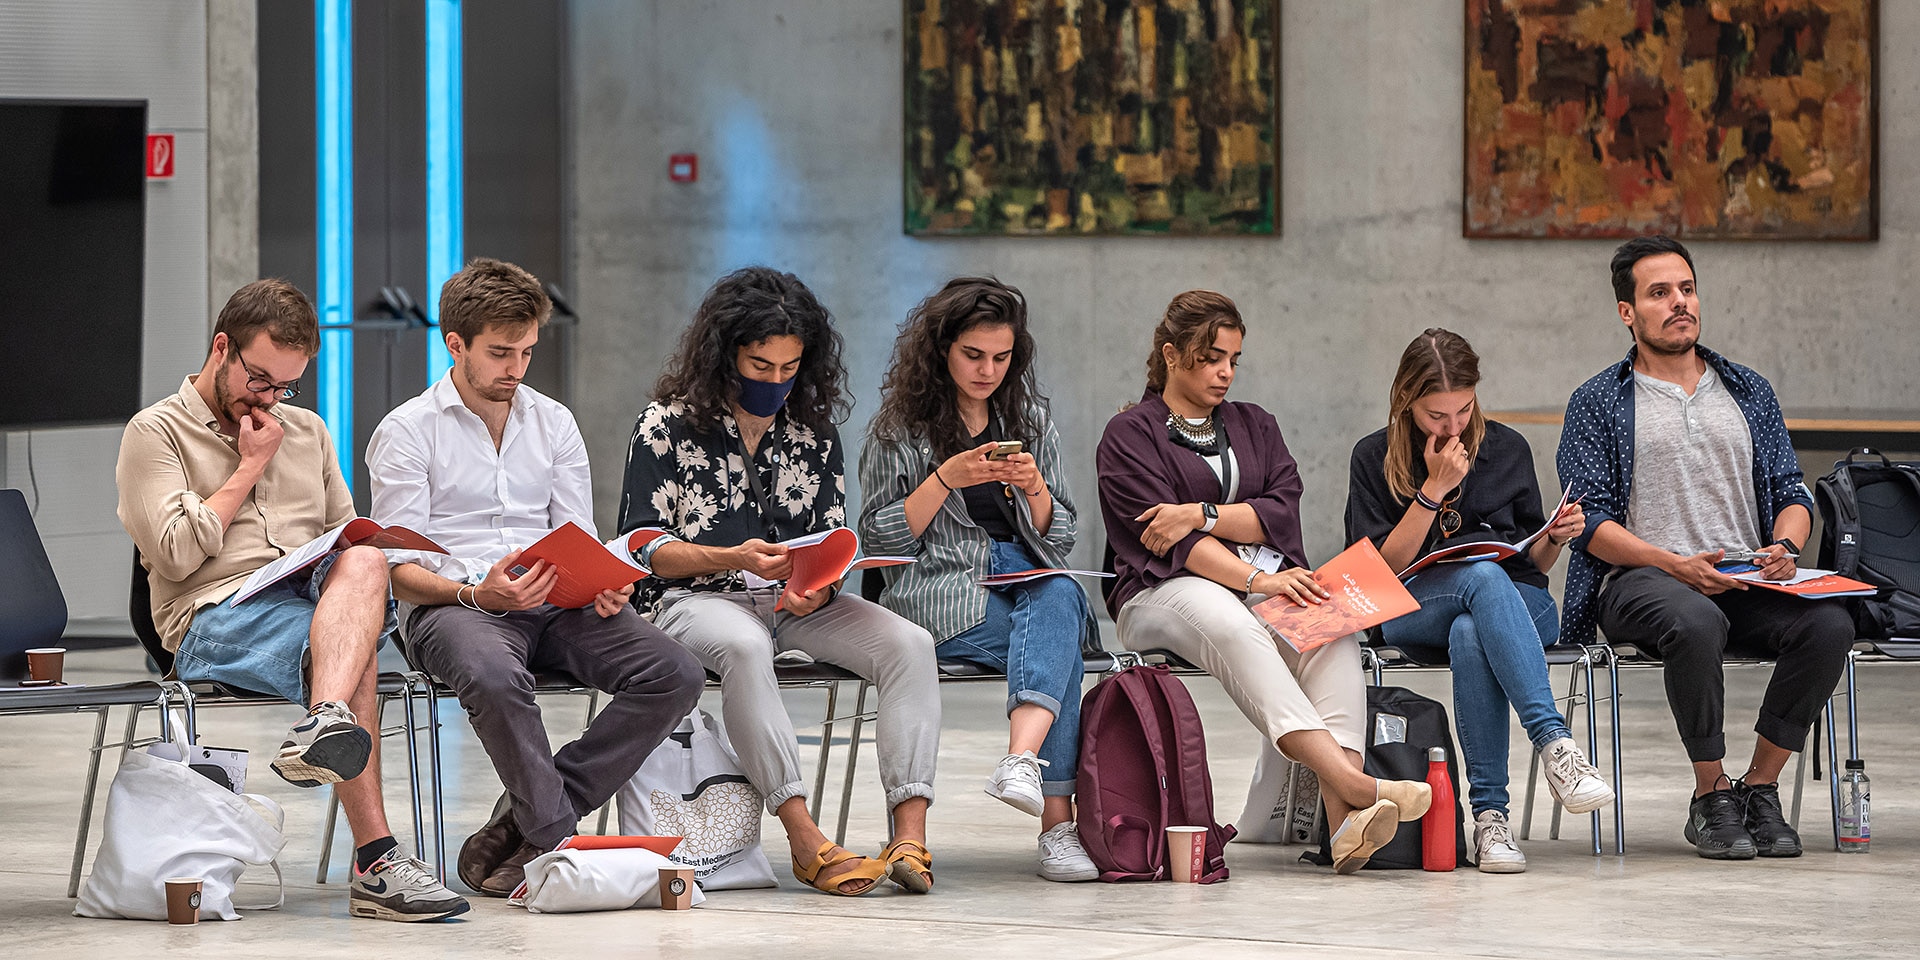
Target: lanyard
<point>759,491</point>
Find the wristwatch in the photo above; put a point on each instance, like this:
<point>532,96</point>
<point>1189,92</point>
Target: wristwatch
<point>1212,513</point>
<point>1792,547</point>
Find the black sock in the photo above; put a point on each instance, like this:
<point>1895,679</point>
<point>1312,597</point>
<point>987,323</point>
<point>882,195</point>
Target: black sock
<point>366,856</point>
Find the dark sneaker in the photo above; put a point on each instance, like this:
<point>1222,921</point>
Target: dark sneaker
<point>510,873</point>
<point>489,846</point>
<point>326,747</point>
<point>401,889</point>
<point>1716,826</point>
<point>1771,833</point>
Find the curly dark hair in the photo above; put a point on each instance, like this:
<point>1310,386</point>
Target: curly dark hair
<point>918,395</point>
<point>748,306</point>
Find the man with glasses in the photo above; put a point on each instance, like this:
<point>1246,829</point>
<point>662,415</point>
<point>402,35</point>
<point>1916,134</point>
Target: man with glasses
<point>217,481</point>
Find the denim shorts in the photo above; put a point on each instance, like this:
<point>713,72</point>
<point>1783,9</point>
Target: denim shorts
<point>261,645</point>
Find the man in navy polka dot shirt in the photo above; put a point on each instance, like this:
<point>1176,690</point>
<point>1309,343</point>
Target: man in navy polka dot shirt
<point>1682,455</point>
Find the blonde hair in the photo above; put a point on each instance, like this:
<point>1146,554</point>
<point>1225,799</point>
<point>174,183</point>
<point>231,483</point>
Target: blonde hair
<point>1437,361</point>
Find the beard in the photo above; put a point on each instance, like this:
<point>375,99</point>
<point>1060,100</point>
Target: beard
<point>229,411</point>
<point>491,390</point>
<point>1653,340</point>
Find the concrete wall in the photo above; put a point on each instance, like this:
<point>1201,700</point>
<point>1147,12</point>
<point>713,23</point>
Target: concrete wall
<point>795,110</point>
<point>136,49</point>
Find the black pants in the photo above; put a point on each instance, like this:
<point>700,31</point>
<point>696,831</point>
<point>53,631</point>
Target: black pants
<point>1692,633</point>
<point>490,662</point>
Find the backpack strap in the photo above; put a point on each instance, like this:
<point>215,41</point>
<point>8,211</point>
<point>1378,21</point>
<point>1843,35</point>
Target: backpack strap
<point>1840,513</point>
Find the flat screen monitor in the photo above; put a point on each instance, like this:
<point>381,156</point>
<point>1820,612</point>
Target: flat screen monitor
<point>73,222</point>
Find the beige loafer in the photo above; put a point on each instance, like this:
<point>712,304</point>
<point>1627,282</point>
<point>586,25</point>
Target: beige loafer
<point>1364,833</point>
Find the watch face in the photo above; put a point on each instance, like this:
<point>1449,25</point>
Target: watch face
<point>1212,512</point>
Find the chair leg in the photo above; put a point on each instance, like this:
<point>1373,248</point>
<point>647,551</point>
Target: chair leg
<point>1833,774</point>
<point>1613,731</point>
<point>326,836</point>
<point>1799,785</point>
<point>853,763</point>
<point>1566,717</point>
<point>411,732</point>
<point>86,799</point>
<point>433,766</point>
<point>1585,667</point>
<point>1853,710</point>
<point>826,747</point>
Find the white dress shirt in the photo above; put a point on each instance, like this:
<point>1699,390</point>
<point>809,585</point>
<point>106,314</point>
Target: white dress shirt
<point>435,471</point>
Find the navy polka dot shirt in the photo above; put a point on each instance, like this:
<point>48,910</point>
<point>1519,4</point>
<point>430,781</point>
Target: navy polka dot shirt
<point>1596,457</point>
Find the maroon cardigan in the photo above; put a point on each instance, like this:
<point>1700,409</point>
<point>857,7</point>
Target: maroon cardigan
<point>1139,467</point>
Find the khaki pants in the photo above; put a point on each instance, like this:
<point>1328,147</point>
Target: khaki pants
<point>1280,690</point>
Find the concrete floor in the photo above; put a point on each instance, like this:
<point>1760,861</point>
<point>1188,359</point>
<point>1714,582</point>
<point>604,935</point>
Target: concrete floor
<point>1660,900</point>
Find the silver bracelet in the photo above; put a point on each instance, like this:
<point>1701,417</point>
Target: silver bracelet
<point>475,604</point>
<point>1250,575</point>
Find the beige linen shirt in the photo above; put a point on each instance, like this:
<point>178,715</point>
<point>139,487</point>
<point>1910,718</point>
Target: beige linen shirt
<point>173,456</point>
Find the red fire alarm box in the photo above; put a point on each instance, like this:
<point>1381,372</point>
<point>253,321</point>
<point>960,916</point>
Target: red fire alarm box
<point>683,167</point>
<point>159,156</point>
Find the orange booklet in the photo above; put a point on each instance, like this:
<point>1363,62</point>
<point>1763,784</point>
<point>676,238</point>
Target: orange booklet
<point>660,845</point>
<point>1487,550</point>
<point>1365,594</point>
<point>1006,579</point>
<point>586,565</point>
<point>1811,584</point>
<point>357,532</point>
<point>823,559</point>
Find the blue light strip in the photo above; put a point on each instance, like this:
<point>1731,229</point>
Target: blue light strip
<point>333,140</point>
<point>446,175</point>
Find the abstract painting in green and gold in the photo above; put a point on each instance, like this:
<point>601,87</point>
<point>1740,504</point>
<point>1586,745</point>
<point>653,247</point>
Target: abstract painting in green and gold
<point>1739,119</point>
<point>1076,117</point>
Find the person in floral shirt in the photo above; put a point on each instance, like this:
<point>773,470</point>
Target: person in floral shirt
<point>739,452</point>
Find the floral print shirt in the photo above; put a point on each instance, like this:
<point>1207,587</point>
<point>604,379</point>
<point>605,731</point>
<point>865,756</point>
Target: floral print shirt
<point>693,484</point>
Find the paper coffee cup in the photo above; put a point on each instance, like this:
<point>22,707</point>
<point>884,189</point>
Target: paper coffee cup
<point>45,663</point>
<point>1186,848</point>
<point>183,899</point>
<point>676,888</point>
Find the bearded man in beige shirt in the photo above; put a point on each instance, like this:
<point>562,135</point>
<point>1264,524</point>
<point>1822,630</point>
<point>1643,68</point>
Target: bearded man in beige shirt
<point>217,481</point>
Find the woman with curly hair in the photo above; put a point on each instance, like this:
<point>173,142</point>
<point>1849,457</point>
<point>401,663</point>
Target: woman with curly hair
<point>962,383</point>
<point>737,453</point>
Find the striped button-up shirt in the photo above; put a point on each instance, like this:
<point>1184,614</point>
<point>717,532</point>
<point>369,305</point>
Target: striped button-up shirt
<point>939,592</point>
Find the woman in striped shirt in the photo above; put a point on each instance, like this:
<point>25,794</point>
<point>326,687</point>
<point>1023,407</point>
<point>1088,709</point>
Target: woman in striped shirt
<point>939,486</point>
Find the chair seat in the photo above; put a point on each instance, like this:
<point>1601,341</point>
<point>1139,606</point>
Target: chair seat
<point>1896,648</point>
<point>78,696</point>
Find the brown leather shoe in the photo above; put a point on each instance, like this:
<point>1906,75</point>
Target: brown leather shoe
<point>511,872</point>
<point>488,847</point>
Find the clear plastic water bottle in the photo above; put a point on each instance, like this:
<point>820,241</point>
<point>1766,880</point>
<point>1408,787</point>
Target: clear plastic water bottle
<point>1856,799</point>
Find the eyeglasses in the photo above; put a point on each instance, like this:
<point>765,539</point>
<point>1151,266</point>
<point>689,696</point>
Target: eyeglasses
<point>258,383</point>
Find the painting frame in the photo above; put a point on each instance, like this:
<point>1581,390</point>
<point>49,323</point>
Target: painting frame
<point>1267,223</point>
<point>1862,225</point>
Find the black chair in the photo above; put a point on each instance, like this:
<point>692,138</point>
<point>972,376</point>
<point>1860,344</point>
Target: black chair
<point>392,686</point>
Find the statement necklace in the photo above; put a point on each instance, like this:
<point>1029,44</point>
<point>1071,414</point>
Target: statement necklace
<point>1203,439</point>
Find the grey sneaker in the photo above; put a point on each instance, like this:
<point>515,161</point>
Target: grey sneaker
<point>1062,857</point>
<point>401,889</point>
<point>1493,840</point>
<point>1574,782</point>
<point>1016,782</point>
<point>326,747</point>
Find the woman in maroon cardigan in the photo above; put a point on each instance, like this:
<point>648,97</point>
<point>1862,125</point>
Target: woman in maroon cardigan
<point>1202,507</point>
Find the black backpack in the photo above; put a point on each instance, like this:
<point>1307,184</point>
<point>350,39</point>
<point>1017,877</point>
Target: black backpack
<point>1870,518</point>
<point>1423,723</point>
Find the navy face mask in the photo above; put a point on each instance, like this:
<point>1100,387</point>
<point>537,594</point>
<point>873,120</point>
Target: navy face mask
<point>763,399</point>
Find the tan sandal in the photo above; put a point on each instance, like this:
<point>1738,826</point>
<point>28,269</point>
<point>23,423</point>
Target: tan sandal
<point>868,871</point>
<point>910,865</point>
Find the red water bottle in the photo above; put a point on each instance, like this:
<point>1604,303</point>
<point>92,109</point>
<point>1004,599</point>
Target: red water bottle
<point>1442,819</point>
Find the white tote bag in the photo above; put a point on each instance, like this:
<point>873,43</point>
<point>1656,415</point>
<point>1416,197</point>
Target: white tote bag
<point>1283,802</point>
<point>165,820</point>
<point>577,881</point>
<point>691,786</point>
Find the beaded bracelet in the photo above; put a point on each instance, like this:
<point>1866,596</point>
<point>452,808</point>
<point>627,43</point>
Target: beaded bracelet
<point>1422,499</point>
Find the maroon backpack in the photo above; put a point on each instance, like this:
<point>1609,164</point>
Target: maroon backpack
<point>1143,768</point>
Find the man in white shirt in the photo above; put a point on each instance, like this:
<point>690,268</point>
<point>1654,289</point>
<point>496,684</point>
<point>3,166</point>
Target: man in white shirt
<point>484,465</point>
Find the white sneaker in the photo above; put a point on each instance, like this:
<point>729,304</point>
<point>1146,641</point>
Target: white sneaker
<point>402,889</point>
<point>1493,839</point>
<point>1062,858</point>
<point>1016,782</point>
<point>1574,781</point>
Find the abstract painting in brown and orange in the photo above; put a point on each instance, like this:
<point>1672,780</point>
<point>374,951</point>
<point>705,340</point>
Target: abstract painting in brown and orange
<point>1732,119</point>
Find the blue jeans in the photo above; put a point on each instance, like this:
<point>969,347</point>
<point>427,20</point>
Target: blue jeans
<point>1493,630</point>
<point>1032,632</point>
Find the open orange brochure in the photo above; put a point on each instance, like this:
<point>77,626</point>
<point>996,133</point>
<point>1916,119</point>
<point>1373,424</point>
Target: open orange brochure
<point>358,532</point>
<point>1484,550</point>
<point>823,559</point>
<point>1006,579</point>
<point>1365,593</point>
<point>1811,584</point>
<point>586,565</point>
<point>660,845</point>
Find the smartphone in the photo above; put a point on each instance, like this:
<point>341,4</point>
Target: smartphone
<point>1004,449</point>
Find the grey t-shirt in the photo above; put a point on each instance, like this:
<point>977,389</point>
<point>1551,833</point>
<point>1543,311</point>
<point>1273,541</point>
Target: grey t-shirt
<point>1692,468</point>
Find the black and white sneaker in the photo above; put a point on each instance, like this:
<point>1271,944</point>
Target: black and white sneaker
<point>1716,826</point>
<point>1771,833</point>
<point>326,747</point>
<point>403,890</point>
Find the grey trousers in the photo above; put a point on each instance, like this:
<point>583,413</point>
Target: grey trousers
<point>736,635</point>
<point>490,662</point>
